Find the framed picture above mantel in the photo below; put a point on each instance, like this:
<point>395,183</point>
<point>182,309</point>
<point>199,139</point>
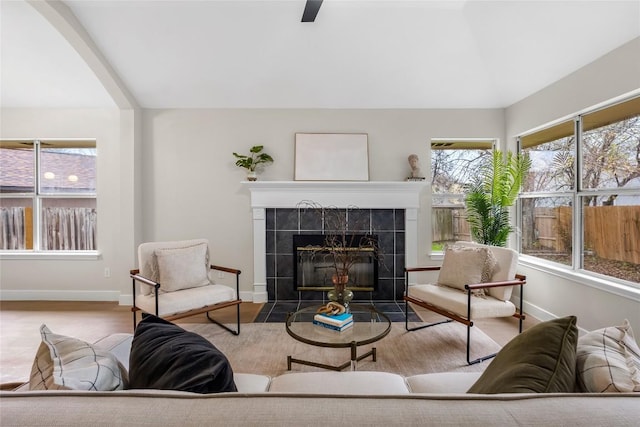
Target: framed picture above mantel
<point>331,157</point>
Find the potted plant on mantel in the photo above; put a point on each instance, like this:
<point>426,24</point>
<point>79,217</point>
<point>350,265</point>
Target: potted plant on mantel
<point>252,161</point>
<point>494,191</point>
<point>343,246</point>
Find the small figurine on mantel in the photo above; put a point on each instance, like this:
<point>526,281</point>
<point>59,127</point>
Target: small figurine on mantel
<point>416,174</point>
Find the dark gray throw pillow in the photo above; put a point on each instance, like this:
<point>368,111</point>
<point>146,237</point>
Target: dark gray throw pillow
<point>542,359</point>
<point>166,357</point>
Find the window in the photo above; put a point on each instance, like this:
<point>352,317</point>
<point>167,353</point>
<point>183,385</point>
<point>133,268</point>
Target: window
<point>580,205</point>
<point>454,164</point>
<point>48,195</point>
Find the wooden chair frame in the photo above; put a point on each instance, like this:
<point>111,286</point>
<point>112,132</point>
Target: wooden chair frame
<point>520,281</point>
<point>136,277</point>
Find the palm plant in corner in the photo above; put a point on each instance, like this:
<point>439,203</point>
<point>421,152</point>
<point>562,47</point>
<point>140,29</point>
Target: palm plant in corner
<point>491,195</point>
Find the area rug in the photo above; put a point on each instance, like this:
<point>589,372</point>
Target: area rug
<point>262,348</point>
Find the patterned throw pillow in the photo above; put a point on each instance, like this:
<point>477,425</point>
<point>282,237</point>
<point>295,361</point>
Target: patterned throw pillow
<point>66,363</point>
<point>608,360</point>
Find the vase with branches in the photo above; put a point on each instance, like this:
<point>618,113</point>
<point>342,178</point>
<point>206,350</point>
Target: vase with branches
<point>343,246</point>
<point>494,191</point>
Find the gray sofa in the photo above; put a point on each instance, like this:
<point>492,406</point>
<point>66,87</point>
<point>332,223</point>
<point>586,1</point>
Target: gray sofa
<point>315,398</point>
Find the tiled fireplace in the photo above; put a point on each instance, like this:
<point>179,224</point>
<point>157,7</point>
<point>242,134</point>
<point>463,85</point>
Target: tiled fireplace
<point>390,210</point>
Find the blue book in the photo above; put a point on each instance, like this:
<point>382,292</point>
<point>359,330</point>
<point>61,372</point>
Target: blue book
<point>337,320</point>
<point>334,327</point>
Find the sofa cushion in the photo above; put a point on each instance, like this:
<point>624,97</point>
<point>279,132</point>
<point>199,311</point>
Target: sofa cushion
<point>66,363</point>
<point>442,382</point>
<point>352,382</point>
<point>182,268</point>
<point>165,356</point>
<point>608,360</point>
<point>542,359</point>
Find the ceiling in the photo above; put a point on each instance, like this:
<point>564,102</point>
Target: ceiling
<point>357,54</point>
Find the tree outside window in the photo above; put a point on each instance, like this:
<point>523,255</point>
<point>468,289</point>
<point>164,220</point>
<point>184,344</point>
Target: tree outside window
<point>594,184</point>
<point>454,165</point>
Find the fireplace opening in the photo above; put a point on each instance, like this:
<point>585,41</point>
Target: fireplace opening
<point>313,267</point>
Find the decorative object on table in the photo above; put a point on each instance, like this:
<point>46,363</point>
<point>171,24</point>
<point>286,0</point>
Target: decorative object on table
<point>342,247</point>
<point>332,309</point>
<point>416,173</point>
<point>491,195</point>
<point>252,161</point>
<point>331,157</point>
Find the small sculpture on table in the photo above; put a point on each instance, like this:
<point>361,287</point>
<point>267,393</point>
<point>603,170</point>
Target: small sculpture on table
<point>415,174</point>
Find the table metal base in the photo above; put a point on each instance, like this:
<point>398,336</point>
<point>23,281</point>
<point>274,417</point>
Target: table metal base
<point>351,363</point>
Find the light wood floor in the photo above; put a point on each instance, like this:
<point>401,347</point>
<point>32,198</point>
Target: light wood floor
<point>20,322</point>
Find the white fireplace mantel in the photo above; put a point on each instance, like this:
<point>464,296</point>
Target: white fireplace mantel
<point>364,195</point>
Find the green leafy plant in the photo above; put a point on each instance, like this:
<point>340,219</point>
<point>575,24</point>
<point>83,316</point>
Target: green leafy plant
<point>491,195</point>
<point>254,159</point>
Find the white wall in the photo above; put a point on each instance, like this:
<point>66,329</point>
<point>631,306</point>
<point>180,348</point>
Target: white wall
<point>56,278</point>
<point>548,295</point>
<point>192,187</point>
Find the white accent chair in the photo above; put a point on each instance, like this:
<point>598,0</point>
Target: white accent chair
<point>173,281</point>
<point>475,281</point>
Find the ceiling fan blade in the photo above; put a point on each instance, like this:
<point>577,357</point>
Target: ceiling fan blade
<point>311,9</point>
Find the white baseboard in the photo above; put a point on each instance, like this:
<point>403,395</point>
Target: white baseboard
<point>53,295</point>
<point>541,314</point>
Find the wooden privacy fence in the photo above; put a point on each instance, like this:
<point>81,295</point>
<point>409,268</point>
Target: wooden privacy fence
<point>64,228</point>
<point>610,232</point>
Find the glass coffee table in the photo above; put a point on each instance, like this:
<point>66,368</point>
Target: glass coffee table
<point>369,325</point>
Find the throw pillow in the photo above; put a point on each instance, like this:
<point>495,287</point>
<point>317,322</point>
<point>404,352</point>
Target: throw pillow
<point>608,360</point>
<point>66,363</point>
<point>164,356</point>
<point>542,359</point>
<point>465,265</point>
<point>182,268</point>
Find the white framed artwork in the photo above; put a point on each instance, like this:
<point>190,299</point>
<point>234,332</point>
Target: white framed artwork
<point>331,157</point>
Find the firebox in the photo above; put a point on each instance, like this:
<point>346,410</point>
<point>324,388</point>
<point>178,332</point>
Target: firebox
<point>313,267</point>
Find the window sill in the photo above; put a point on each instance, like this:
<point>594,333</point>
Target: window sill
<point>51,255</point>
<point>616,288</point>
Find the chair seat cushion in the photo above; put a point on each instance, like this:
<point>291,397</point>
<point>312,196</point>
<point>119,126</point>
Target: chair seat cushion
<point>170,303</point>
<point>455,301</point>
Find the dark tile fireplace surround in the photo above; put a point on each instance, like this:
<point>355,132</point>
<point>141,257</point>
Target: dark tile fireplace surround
<point>283,223</point>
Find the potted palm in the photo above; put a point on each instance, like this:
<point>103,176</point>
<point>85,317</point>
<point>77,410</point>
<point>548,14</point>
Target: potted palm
<point>490,196</point>
<point>252,161</point>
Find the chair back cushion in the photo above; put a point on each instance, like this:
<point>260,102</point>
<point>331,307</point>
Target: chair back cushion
<point>175,265</point>
<point>505,269</point>
<point>465,265</point>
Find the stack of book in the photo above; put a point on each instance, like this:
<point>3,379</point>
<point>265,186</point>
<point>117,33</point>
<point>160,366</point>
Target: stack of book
<point>338,322</point>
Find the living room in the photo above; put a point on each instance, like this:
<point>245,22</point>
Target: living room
<point>166,126</point>
<point>153,162</point>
